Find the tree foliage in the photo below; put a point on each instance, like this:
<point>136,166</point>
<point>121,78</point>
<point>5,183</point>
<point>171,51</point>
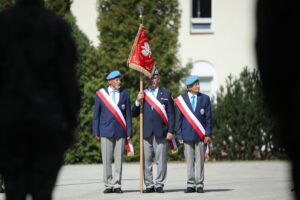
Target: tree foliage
<point>86,149</point>
<point>118,24</point>
<point>60,7</point>
<point>6,4</point>
<point>242,127</point>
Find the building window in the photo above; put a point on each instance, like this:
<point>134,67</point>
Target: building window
<point>201,16</point>
<point>208,77</point>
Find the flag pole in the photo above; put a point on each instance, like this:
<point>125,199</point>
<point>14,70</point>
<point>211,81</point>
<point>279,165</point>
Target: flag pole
<point>141,9</point>
<point>141,138</point>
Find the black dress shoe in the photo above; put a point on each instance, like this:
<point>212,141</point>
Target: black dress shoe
<point>108,190</point>
<point>160,190</point>
<point>200,190</point>
<point>189,190</point>
<point>118,190</point>
<point>2,190</point>
<point>149,190</point>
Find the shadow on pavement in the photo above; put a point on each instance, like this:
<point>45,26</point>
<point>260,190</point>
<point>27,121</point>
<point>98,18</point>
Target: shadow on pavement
<point>218,190</point>
<point>175,190</point>
<point>72,184</point>
<point>130,191</point>
<point>182,190</point>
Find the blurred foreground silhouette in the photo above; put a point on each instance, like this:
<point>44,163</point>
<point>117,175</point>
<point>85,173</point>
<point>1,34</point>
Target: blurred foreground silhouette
<point>39,98</point>
<point>277,44</point>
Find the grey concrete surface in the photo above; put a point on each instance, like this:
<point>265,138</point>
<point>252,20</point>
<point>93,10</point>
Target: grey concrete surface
<point>259,180</point>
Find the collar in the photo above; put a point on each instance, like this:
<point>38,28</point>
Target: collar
<point>110,89</point>
<point>155,90</point>
<point>190,95</point>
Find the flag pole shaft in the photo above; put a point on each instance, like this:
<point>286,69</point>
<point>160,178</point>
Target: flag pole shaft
<point>141,138</point>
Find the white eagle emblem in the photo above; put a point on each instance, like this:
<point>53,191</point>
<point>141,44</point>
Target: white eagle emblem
<point>146,49</point>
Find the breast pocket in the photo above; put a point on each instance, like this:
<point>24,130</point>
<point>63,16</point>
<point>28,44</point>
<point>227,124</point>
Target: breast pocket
<point>163,100</point>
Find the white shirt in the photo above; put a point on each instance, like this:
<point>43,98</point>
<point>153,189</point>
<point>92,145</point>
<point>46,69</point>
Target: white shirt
<point>117,94</point>
<point>190,97</point>
<point>150,91</point>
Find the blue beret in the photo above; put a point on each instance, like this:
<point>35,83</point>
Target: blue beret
<point>112,75</point>
<point>155,72</point>
<point>191,79</point>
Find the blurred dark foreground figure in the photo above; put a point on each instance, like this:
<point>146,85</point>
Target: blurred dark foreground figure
<point>2,190</point>
<point>277,44</point>
<point>39,98</point>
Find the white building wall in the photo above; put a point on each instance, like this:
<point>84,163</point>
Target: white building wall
<point>230,46</point>
<point>86,15</point>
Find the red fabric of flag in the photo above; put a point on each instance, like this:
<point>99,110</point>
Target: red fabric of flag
<point>141,58</point>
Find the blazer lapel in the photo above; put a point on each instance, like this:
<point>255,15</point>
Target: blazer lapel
<point>187,101</point>
<point>159,94</point>
<point>198,102</point>
<point>121,97</point>
<point>106,90</point>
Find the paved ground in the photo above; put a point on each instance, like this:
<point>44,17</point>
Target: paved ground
<point>223,180</point>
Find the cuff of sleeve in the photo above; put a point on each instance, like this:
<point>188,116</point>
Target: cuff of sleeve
<point>137,104</point>
<point>96,134</point>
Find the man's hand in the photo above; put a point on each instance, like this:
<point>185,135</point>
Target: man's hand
<point>128,138</point>
<point>169,136</point>
<point>97,137</point>
<point>207,139</point>
<point>140,97</point>
<point>180,141</point>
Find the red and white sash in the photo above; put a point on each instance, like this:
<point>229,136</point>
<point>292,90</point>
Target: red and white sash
<point>207,149</point>
<point>129,147</point>
<point>161,111</point>
<point>115,110</point>
<point>191,118</point>
<point>157,106</point>
<point>173,144</point>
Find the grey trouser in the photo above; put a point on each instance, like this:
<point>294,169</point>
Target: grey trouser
<point>194,154</point>
<point>160,148</point>
<point>112,147</point>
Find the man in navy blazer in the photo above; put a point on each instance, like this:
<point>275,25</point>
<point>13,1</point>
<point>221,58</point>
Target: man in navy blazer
<point>194,148</point>
<point>107,127</point>
<point>155,133</point>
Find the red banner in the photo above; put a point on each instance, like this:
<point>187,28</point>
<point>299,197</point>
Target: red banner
<point>141,58</point>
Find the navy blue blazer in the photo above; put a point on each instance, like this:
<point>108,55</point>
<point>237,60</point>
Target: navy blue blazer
<point>153,123</point>
<point>104,122</point>
<point>184,131</point>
